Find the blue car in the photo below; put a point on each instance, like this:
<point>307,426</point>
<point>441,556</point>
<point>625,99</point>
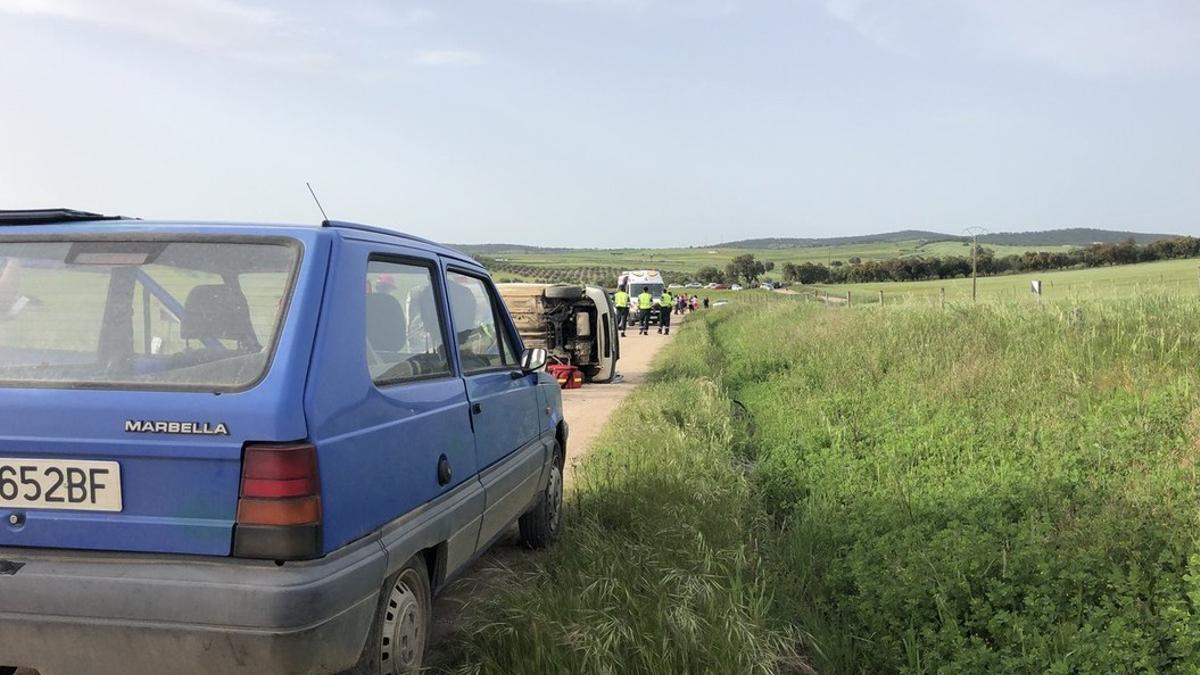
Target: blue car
<point>231,448</point>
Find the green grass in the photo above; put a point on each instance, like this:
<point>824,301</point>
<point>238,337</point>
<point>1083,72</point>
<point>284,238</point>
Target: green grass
<point>649,577</point>
<point>1171,276</point>
<point>1005,488</point>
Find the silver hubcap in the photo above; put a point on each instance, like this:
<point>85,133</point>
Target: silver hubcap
<point>403,642</point>
<point>554,496</point>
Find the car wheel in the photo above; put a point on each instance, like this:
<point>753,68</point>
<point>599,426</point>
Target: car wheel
<point>540,526</point>
<point>400,633</point>
<point>564,292</point>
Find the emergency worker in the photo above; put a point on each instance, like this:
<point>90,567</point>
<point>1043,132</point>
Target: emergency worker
<point>645,307</point>
<point>665,306</point>
<point>621,301</point>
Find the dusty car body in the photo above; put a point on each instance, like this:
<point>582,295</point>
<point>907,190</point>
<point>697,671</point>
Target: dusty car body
<point>574,324</point>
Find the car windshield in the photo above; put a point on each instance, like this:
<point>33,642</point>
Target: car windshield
<point>655,289</point>
<point>144,313</point>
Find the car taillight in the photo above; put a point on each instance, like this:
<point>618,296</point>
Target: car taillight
<point>279,507</point>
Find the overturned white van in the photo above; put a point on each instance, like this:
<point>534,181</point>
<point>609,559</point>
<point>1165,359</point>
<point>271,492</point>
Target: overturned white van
<point>574,324</point>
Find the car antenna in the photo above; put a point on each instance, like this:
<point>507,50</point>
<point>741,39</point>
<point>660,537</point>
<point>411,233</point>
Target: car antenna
<point>318,201</point>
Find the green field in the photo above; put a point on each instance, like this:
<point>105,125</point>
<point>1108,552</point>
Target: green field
<point>1000,488</point>
<point>691,259</point>
<point>1173,276</point>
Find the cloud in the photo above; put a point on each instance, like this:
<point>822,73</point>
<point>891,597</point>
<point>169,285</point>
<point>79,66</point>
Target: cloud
<point>449,57</point>
<point>387,15</point>
<point>190,22</point>
<point>1094,38</point>
<point>634,4</point>
<point>230,27</point>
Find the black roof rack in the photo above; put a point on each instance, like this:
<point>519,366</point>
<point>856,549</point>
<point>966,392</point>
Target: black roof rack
<point>50,216</point>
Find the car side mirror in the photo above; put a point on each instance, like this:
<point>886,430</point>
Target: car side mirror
<point>533,359</point>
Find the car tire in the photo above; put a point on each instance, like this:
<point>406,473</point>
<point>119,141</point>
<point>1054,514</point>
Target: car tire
<point>540,526</point>
<point>564,292</point>
<point>399,636</point>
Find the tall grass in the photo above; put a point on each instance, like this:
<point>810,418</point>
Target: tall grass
<point>659,567</point>
<point>1001,488</point>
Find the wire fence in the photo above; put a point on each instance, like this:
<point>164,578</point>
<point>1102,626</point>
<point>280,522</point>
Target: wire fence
<point>992,289</point>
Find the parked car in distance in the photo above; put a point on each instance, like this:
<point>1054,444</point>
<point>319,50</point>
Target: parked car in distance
<point>675,286</point>
<point>694,284</point>
<point>767,286</point>
<point>235,448</point>
<point>735,287</point>
<point>574,324</point>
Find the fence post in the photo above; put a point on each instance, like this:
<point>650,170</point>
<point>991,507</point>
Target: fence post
<point>881,298</point>
<point>848,301</point>
<point>942,294</point>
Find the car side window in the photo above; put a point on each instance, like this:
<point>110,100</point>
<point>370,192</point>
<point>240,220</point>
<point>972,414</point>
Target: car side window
<point>481,344</point>
<point>511,358</point>
<point>404,327</point>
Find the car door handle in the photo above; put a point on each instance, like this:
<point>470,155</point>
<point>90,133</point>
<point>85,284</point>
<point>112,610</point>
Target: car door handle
<point>476,408</point>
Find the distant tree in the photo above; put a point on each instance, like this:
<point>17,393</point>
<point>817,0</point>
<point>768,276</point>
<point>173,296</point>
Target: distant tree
<point>811,273</point>
<point>769,265</point>
<point>855,260</point>
<point>835,263</point>
<point>710,275</point>
<point>745,266</point>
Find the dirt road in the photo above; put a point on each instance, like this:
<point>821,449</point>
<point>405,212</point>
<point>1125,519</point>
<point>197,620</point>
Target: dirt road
<point>587,410</point>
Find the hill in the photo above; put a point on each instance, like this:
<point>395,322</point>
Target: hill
<point>1075,236</point>
<point>797,242</point>
<point>492,249</point>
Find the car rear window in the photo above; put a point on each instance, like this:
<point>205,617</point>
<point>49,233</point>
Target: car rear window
<point>146,313</point>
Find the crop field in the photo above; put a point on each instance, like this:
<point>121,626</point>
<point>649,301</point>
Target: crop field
<point>525,265</point>
<point>1006,487</point>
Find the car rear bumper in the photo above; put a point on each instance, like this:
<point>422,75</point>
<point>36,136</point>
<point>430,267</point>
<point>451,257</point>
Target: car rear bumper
<point>80,612</point>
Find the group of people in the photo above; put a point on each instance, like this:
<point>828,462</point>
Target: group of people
<point>650,307</point>
<point>684,304</point>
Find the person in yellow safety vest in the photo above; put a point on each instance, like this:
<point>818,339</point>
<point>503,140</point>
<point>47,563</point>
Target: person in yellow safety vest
<point>621,300</point>
<point>666,304</point>
<point>645,307</point>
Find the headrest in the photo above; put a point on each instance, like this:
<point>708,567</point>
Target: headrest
<point>217,312</point>
<point>462,306</point>
<point>386,327</point>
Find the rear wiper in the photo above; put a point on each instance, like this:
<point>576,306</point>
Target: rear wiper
<point>50,216</point>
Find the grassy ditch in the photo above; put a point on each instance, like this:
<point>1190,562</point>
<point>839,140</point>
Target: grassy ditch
<point>993,489</point>
<point>659,569</point>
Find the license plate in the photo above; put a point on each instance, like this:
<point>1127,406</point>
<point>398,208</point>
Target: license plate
<point>60,484</point>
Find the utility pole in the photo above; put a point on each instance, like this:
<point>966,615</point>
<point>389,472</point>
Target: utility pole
<point>974,232</point>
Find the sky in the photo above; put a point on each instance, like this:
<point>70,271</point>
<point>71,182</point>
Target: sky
<point>609,123</point>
